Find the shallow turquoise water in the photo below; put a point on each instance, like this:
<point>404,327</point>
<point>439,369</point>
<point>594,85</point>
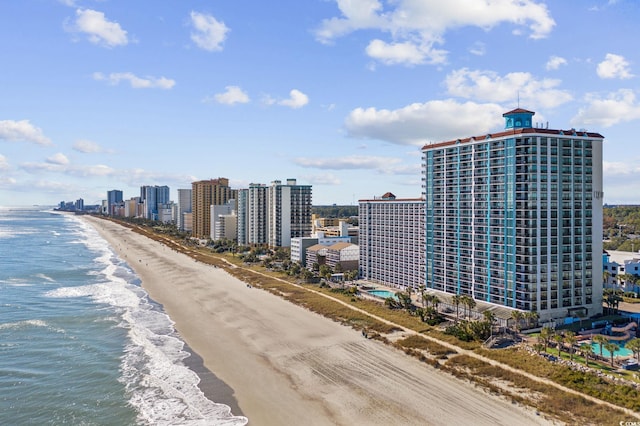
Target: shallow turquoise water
<point>382,293</point>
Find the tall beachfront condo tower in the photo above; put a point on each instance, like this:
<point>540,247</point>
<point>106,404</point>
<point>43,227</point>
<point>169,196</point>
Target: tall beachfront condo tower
<point>289,212</point>
<point>114,198</point>
<point>153,198</point>
<point>183,206</point>
<point>204,194</point>
<point>252,215</point>
<point>392,241</point>
<point>515,218</point>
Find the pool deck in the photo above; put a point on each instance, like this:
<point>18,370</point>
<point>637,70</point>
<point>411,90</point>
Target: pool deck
<point>634,308</point>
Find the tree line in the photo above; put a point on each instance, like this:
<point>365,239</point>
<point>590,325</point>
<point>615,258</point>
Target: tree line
<point>620,227</point>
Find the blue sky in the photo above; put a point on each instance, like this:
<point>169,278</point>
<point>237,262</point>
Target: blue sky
<point>340,94</point>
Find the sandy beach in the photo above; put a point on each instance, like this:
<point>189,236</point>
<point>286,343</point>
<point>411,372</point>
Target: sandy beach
<point>284,365</point>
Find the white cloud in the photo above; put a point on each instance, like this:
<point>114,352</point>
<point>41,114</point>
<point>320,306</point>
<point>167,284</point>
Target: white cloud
<point>620,169</point>
<point>488,86</point>
<point>621,181</point>
<point>87,147</point>
<point>7,182</point>
<point>614,66</point>
<point>59,163</point>
<point>406,53</point>
<point>232,95</point>
<point>54,187</point>
<point>135,81</point>
<point>32,167</point>
<point>617,107</point>
<point>555,62</point>
<point>98,28</point>
<point>323,179</point>
<point>357,15</point>
<point>420,123</point>
<point>384,165</point>
<point>296,100</point>
<point>97,170</point>
<point>4,164</point>
<point>22,130</point>
<point>353,162</point>
<point>415,27</point>
<point>478,49</point>
<point>58,159</point>
<point>209,33</point>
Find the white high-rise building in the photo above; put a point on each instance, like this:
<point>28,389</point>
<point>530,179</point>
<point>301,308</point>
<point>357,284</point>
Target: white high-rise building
<point>219,222</point>
<point>252,215</point>
<point>515,218</point>
<point>392,241</point>
<point>289,212</point>
<point>183,207</point>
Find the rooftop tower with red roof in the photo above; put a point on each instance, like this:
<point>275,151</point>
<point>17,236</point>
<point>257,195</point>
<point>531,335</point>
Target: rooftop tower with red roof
<point>518,119</point>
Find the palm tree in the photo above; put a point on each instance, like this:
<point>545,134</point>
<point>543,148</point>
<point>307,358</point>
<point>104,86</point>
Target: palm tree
<point>587,351</point>
<point>391,303</point>
<point>607,299</point>
<point>456,299</point>
<point>404,299</point>
<point>559,339</point>
<point>532,318</point>
<point>468,303</point>
<point>545,335</point>
<point>489,317</point>
<point>636,281</point>
<point>306,275</point>
<point>634,346</point>
<point>605,277</point>
<point>422,288</point>
<point>517,316</point>
<point>435,301</point>
<point>571,339</point>
<point>616,302</point>
<point>619,280</point>
<point>627,279</point>
<point>325,272</point>
<point>600,340</point>
<point>611,347</point>
<point>431,312</point>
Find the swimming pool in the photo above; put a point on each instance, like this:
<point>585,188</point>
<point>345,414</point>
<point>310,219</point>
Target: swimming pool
<point>624,352</point>
<point>382,293</point>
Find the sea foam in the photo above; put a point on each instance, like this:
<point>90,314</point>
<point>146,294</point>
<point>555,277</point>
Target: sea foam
<point>161,387</point>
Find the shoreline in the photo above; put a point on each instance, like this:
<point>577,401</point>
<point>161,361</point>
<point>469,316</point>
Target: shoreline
<point>286,365</point>
<point>211,386</point>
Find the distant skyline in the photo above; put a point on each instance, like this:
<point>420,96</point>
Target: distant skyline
<point>339,94</point>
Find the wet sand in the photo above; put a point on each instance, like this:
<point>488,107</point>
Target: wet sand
<point>285,365</point>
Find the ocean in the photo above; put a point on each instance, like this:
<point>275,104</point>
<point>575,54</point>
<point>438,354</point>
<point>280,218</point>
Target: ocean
<point>81,343</point>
